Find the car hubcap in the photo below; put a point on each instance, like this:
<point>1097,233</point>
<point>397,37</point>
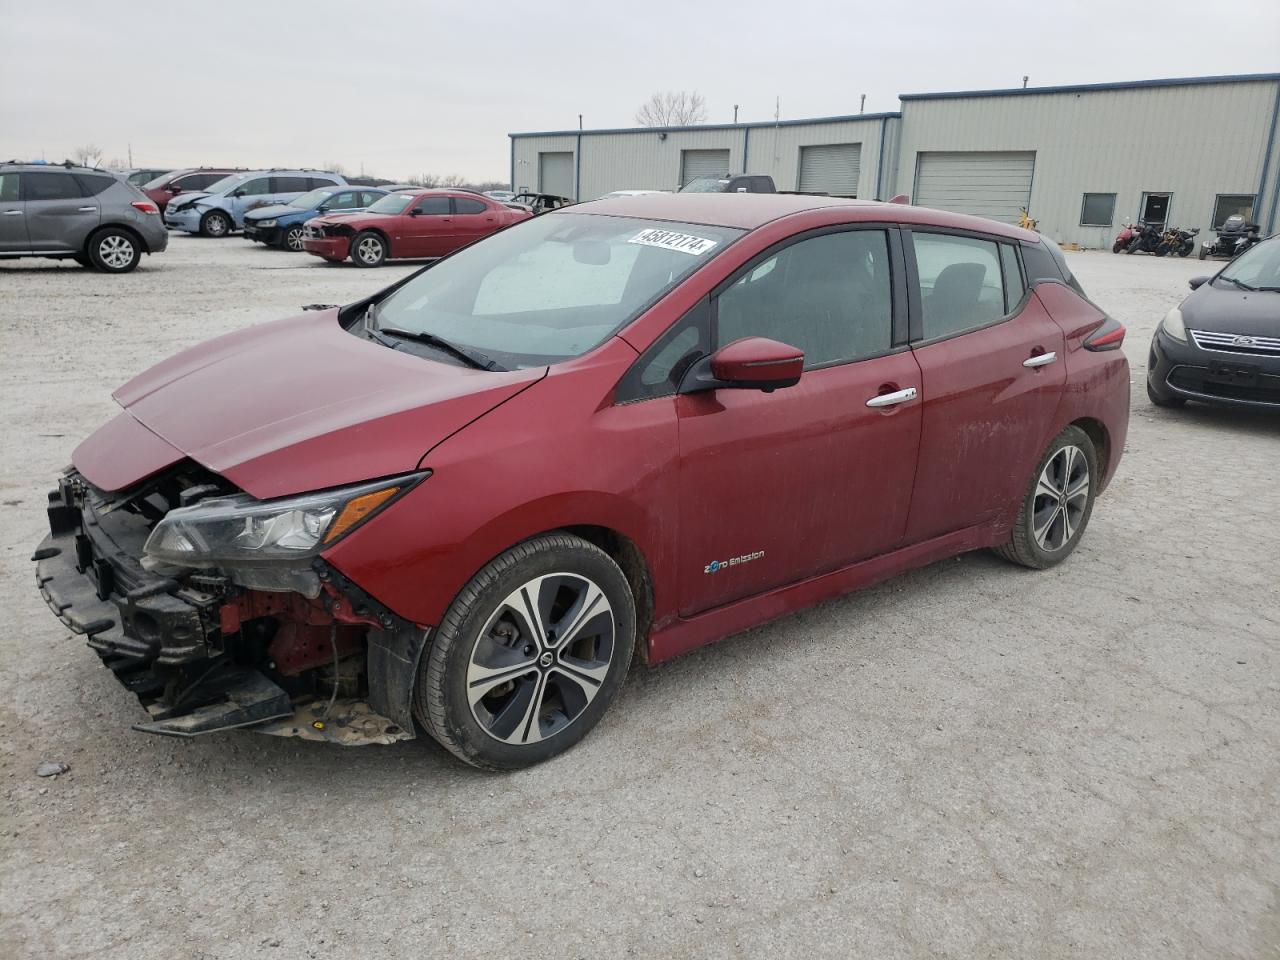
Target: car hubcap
<point>217,226</point>
<point>370,250</point>
<point>116,252</point>
<point>541,659</point>
<point>1062,493</point>
<point>294,239</point>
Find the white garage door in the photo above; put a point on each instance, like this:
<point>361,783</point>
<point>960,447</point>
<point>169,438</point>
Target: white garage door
<point>702,163</point>
<point>993,185</point>
<point>555,173</point>
<point>830,168</point>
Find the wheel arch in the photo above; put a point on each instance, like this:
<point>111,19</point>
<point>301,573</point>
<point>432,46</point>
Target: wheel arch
<point>138,238</point>
<point>1097,432</point>
<point>382,235</point>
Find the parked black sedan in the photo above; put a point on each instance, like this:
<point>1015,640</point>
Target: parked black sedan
<point>1222,343</point>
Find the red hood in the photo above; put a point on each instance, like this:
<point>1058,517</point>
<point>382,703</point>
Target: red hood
<point>291,406</point>
<point>356,220</point>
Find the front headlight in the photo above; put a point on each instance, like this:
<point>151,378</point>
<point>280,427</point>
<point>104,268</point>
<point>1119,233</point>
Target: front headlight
<point>239,530</point>
<point>1173,325</point>
<point>266,223</point>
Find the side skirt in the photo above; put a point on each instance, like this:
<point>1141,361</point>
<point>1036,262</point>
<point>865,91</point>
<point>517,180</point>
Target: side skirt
<point>684,635</point>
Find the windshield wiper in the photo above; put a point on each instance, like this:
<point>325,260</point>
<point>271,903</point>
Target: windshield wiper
<point>473,358</point>
<point>1239,283</point>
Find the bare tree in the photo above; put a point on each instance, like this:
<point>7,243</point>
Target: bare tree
<point>89,155</point>
<point>672,109</point>
<point>337,168</point>
<point>436,180</point>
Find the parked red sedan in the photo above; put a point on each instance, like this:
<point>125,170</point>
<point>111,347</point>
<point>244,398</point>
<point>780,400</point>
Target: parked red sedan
<point>631,426</point>
<point>412,225</point>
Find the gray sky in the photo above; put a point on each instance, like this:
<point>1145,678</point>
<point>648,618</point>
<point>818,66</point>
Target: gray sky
<point>404,87</point>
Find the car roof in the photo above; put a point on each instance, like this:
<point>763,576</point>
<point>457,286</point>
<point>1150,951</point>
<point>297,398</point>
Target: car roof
<point>747,211</point>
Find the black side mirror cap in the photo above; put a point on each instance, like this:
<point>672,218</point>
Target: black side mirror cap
<point>1195,283</point>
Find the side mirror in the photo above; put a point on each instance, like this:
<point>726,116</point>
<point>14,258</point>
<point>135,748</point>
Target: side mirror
<point>415,212</point>
<point>237,193</point>
<point>752,363</point>
<point>1195,283</point>
<point>323,208</point>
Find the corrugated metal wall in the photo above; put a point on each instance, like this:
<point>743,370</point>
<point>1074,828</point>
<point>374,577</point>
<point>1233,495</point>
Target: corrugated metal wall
<point>524,156</point>
<point>1194,141</point>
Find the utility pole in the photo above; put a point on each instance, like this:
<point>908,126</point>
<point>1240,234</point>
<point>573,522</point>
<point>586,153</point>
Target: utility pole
<point>579,122</point>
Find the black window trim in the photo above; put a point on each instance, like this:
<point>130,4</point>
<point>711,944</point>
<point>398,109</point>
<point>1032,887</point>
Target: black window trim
<point>913,281</point>
<point>422,200</point>
<point>1084,197</point>
<point>453,207</point>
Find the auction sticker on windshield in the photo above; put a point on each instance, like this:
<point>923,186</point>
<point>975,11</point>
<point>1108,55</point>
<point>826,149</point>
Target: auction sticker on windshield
<point>683,242</point>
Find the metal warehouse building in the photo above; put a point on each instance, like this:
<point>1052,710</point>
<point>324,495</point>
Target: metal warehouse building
<point>1080,159</point>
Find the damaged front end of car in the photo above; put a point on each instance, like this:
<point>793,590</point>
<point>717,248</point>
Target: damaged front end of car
<point>218,611</point>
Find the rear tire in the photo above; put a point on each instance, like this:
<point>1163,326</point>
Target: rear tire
<point>501,691</point>
<point>114,250</point>
<point>215,224</point>
<point>368,249</point>
<point>1057,505</point>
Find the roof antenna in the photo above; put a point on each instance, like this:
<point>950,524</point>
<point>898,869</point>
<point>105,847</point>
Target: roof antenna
<point>862,106</point>
<point>1024,82</point>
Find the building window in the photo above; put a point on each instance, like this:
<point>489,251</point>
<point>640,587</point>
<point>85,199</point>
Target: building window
<point>1098,210</point>
<point>1229,204</point>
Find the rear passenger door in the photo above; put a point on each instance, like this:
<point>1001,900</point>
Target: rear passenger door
<point>472,219</point>
<point>13,221</point>
<point>991,361</point>
<point>59,216</point>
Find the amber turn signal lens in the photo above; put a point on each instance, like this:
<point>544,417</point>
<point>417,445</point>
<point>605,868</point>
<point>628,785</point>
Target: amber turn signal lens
<point>356,510</point>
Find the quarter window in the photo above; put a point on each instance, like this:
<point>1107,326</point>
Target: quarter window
<point>93,184</point>
<point>960,283</point>
<point>829,296</point>
<point>314,183</point>
<point>50,186</point>
<point>294,184</point>
<point>1229,204</point>
<point>1013,285</point>
<point>467,205</point>
<point>433,206</point>
<point>1098,210</point>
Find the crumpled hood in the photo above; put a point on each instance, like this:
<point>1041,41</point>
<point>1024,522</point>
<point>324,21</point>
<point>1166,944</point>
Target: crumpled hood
<point>1224,308</point>
<point>355,220</point>
<point>187,199</point>
<point>292,406</point>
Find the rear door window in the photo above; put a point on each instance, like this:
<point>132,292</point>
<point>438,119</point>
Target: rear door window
<point>369,199</point>
<point>961,284</point>
<point>343,201</point>
<point>468,205</point>
<point>9,187</point>
<point>50,186</point>
<point>293,185</point>
<point>196,181</point>
<point>315,182</point>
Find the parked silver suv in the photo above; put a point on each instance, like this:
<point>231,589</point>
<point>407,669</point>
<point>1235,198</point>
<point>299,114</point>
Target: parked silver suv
<point>64,211</point>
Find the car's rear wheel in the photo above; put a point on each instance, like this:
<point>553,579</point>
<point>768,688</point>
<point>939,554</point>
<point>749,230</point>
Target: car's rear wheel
<point>114,250</point>
<point>368,249</point>
<point>1160,399</point>
<point>293,239</point>
<point>1057,505</point>
<point>215,224</point>
<point>529,655</point>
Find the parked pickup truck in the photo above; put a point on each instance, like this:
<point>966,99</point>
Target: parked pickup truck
<point>731,183</point>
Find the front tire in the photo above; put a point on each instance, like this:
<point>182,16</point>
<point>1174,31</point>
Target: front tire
<point>1057,504</point>
<point>1117,246</point>
<point>293,239</point>
<point>529,655</point>
<point>215,224</point>
<point>114,250</point>
<point>368,249</point>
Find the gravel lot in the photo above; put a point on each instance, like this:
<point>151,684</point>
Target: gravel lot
<point>971,760</point>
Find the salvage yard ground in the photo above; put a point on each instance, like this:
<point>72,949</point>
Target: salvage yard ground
<point>970,760</point>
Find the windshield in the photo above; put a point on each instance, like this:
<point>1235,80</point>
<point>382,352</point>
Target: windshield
<point>225,183</point>
<point>706,185</point>
<point>552,287</point>
<point>1258,267</point>
<point>392,203</point>
<point>161,180</point>
<point>312,199</point>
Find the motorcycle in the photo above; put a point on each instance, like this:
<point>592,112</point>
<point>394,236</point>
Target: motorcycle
<point>1147,238</point>
<point>1181,242</point>
<point>1235,236</point>
<point>1126,234</point>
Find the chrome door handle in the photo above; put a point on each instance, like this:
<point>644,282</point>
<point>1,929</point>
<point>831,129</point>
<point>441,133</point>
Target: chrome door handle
<point>1041,360</point>
<point>892,399</point>
<point>87,209</point>
<point>13,213</point>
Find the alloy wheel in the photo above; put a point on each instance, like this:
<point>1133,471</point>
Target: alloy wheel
<point>1061,497</point>
<point>369,250</point>
<point>541,658</point>
<point>293,238</point>
<point>116,251</point>
<point>217,225</point>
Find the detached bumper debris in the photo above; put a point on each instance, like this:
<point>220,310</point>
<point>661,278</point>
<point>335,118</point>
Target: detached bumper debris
<point>52,769</point>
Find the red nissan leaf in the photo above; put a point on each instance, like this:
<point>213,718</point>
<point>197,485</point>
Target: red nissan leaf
<point>617,431</point>
<point>407,224</point>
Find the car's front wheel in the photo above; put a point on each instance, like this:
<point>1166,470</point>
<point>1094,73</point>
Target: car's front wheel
<point>293,239</point>
<point>114,250</point>
<point>368,249</point>
<point>529,655</point>
<point>1056,507</point>
<point>215,224</point>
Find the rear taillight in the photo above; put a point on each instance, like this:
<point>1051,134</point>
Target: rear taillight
<point>146,206</point>
<point>1109,336</point>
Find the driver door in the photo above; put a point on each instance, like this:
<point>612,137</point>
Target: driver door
<point>426,228</point>
<point>776,487</point>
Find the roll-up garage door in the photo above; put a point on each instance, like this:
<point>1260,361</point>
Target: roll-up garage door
<point>555,173</point>
<point>984,184</point>
<point>702,163</point>
<point>830,168</point>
